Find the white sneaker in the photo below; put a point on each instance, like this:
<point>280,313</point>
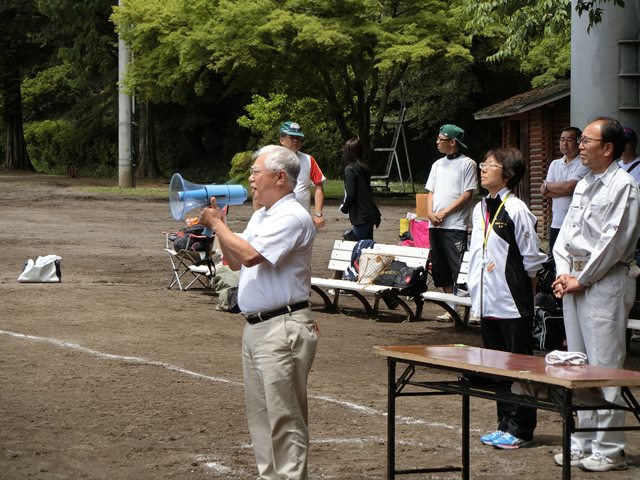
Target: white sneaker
<point>461,292</point>
<point>474,320</point>
<point>445,317</point>
<point>576,457</point>
<point>598,462</point>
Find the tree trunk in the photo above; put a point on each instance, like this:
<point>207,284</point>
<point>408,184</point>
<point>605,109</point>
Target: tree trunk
<point>199,153</point>
<point>16,155</point>
<point>147,154</point>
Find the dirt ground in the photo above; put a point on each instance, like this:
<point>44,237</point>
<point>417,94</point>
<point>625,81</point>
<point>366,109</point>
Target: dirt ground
<point>110,375</point>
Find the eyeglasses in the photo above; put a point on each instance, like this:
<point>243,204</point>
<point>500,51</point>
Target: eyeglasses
<point>586,140</point>
<point>566,140</point>
<point>484,165</point>
<point>256,171</point>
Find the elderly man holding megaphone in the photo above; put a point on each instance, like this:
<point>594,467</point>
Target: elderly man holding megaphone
<point>279,340</point>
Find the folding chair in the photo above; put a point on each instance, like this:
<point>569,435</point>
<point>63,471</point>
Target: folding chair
<point>197,266</point>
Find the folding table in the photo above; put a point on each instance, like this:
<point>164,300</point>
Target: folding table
<point>558,382</point>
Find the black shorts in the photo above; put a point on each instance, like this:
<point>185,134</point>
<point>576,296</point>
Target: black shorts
<point>447,248</point>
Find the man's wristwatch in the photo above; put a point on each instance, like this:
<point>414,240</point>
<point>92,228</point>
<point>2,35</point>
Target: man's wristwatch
<point>317,214</point>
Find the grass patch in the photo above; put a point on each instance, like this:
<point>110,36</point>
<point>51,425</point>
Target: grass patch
<point>143,192</point>
<point>333,189</point>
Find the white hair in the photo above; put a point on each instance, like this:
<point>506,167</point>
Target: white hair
<point>280,158</point>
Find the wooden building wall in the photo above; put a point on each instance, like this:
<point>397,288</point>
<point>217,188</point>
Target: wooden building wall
<point>536,134</point>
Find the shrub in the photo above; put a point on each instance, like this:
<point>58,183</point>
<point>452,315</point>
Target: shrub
<point>50,146</point>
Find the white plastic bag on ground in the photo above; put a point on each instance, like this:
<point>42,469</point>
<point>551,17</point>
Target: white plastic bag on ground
<point>44,270</point>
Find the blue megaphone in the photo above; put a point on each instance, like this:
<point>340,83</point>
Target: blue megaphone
<point>185,196</point>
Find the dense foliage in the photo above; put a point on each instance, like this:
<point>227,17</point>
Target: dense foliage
<point>213,79</point>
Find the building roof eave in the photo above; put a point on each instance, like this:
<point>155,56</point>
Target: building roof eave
<point>526,101</point>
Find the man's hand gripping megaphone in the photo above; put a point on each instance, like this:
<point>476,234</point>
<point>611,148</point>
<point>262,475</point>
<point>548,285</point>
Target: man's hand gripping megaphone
<point>212,216</point>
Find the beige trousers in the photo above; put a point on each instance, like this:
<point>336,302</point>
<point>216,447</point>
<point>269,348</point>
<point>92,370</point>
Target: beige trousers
<point>277,356</point>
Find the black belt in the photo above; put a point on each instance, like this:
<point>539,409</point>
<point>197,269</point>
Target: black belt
<point>254,318</point>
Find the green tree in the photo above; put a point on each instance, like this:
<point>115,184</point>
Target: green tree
<point>19,49</point>
<point>535,32</point>
<point>350,55</point>
<point>592,8</point>
<point>191,104</point>
<point>76,86</point>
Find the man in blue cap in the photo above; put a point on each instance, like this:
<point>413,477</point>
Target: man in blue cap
<point>450,187</point>
<point>292,137</point>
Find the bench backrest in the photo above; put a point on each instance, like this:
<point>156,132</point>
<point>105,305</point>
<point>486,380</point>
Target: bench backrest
<point>412,256</point>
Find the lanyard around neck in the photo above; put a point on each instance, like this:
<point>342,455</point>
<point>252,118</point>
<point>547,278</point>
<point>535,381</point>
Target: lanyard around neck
<point>488,227</point>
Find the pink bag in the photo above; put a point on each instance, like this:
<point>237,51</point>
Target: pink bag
<point>420,232</point>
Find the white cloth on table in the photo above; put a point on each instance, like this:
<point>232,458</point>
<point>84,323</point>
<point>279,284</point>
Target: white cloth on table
<point>558,357</point>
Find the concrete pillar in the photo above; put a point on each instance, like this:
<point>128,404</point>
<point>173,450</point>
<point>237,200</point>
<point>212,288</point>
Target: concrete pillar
<point>596,60</point>
<point>125,168</point>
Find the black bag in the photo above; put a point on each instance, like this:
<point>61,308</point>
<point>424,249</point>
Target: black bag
<point>190,238</point>
<point>548,324</point>
<point>546,276</point>
<point>413,281</point>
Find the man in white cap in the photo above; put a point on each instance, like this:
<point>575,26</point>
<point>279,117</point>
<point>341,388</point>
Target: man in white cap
<point>292,137</point>
<point>450,187</point>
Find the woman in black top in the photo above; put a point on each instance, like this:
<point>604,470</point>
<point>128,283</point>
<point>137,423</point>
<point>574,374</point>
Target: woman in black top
<point>358,197</point>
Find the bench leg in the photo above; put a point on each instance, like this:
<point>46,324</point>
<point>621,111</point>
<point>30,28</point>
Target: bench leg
<point>328,304</point>
<point>396,298</point>
<point>410,315</point>
<point>365,303</point>
<point>419,306</point>
<point>332,306</point>
<point>457,321</point>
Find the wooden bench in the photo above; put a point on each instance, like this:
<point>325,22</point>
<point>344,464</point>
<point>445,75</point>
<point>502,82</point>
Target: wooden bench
<point>330,289</point>
<point>445,299</point>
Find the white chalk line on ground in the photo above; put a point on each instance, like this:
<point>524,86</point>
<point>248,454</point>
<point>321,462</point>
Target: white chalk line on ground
<point>213,464</point>
<point>144,361</point>
<point>109,356</point>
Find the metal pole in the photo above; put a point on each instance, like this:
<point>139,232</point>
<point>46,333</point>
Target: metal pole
<point>391,419</point>
<point>125,170</point>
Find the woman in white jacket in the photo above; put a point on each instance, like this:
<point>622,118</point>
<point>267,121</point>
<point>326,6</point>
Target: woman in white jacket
<point>505,258</point>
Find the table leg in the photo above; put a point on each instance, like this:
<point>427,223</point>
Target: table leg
<point>567,430</point>
<point>391,419</point>
<point>465,437</point>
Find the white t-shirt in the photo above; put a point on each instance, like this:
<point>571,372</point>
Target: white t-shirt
<point>448,180</point>
<point>310,174</point>
<point>561,171</point>
<point>635,173</point>
<point>284,236</point>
